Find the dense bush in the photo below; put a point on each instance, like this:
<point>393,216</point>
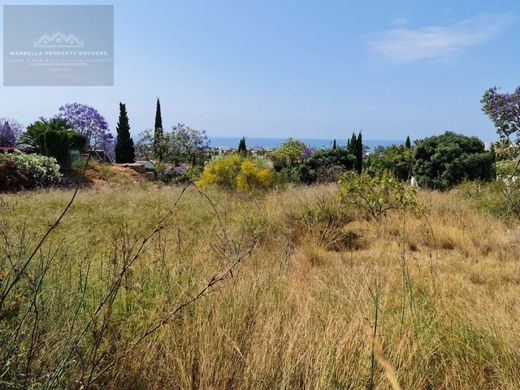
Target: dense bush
<point>58,143</point>
<point>238,172</point>
<point>326,166</point>
<point>397,159</point>
<point>54,138</point>
<point>176,174</point>
<point>290,154</point>
<point>34,134</point>
<point>23,171</point>
<point>500,198</point>
<point>507,170</point>
<point>448,159</point>
<point>378,194</point>
<point>13,177</point>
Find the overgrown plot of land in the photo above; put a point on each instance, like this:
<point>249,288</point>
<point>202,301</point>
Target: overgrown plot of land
<point>298,312</point>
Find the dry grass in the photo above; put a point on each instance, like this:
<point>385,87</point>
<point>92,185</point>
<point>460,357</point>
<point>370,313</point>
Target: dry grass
<point>297,313</point>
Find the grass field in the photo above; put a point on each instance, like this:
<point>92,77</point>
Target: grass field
<point>318,296</point>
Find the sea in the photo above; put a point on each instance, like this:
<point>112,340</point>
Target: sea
<point>273,143</point>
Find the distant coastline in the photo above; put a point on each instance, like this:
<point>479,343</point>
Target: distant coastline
<point>272,143</point>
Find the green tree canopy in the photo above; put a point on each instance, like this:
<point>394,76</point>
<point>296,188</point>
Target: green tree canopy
<point>397,159</point>
<point>53,137</point>
<point>446,160</point>
<point>326,165</point>
<point>289,155</point>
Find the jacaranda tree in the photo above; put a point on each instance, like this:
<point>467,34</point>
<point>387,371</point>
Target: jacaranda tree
<point>88,121</point>
<point>504,111</point>
<point>10,132</point>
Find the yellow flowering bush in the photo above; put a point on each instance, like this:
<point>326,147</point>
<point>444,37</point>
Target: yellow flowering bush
<point>237,172</point>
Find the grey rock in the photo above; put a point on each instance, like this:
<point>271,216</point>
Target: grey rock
<point>138,167</point>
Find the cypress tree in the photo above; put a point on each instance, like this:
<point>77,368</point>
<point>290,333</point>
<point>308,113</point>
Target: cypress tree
<point>352,145</point>
<point>158,132</point>
<point>242,148</point>
<point>359,153</point>
<point>124,144</point>
<point>334,144</point>
<point>408,144</point>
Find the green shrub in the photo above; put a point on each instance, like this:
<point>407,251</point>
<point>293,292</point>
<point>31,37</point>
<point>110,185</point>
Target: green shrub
<point>288,155</point>
<point>57,143</point>
<point>76,140</point>
<point>236,171</point>
<point>54,138</point>
<point>378,194</point>
<point>444,161</point>
<point>397,159</point>
<point>496,198</point>
<point>326,166</point>
<point>507,169</point>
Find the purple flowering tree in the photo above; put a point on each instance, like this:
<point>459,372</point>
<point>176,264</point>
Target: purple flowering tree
<point>184,144</point>
<point>89,122</point>
<point>308,152</point>
<point>10,131</point>
<point>504,111</point>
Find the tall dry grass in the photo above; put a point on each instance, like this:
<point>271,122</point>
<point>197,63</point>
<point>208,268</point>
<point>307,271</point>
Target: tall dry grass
<point>298,312</point>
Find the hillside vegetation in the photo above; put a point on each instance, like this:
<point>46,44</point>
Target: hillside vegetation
<point>318,296</point>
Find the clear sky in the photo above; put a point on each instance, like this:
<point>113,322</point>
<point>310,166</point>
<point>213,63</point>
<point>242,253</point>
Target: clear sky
<point>308,69</point>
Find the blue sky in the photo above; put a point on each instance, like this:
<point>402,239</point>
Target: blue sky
<point>308,69</point>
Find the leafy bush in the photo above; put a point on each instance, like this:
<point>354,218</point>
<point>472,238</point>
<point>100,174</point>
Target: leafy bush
<point>183,173</point>
<point>507,169</point>
<point>254,174</point>
<point>376,195</point>
<point>54,138</point>
<point>499,198</point>
<point>13,177</point>
<point>181,145</point>
<point>19,170</point>
<point>58,143</point>
<point>326,166</point>
<point>397,159</point>
<point>34,134</point>
<point>289,154</point>
<point>238,172</point>
<point>444,161</point>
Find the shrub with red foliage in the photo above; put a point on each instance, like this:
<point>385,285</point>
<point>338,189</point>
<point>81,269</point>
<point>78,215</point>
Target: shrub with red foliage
<point>13,177</point>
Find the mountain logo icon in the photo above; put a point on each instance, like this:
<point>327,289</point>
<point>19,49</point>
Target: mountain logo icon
<point>58,40</point>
